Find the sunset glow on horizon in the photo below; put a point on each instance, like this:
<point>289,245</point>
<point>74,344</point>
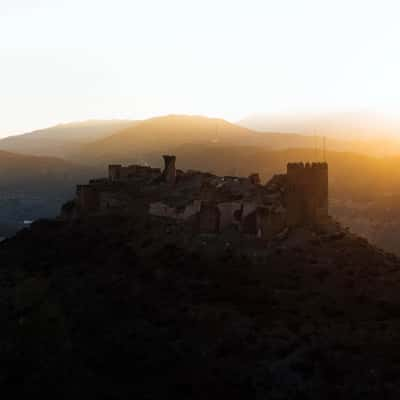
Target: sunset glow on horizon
<point>76,60</point>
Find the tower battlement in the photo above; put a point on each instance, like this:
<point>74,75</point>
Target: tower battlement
<point>307,165</point>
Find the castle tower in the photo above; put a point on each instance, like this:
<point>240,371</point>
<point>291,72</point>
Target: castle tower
<point>255,178</point>
<point>307,193</point>
<point>114,172</point>
<point>169,173</point>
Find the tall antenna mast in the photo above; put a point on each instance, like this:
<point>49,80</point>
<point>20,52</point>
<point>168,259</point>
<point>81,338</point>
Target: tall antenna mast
<point>324,148</point>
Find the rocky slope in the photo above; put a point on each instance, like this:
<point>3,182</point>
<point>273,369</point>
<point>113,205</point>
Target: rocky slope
<point>115,308</point>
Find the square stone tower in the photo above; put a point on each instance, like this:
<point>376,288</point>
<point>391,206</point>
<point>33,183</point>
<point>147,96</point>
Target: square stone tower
<point>307,193</point>
<point>169,172</point>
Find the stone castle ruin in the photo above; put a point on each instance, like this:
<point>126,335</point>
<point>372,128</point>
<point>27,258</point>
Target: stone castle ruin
<point>208,203</point>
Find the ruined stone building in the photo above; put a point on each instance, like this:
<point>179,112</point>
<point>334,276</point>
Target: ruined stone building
<point>208,203</point>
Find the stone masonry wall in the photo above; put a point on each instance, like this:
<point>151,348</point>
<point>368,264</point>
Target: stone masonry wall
<point>307,193</point>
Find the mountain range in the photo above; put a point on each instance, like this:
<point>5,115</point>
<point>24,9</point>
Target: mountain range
<point>362,132</point>
<point>97,142</point>
<point>62,140</point>
<point>54,160</point>
<point>339,125</point>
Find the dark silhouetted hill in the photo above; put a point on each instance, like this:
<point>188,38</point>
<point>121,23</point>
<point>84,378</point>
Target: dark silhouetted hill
<point>134,308</point>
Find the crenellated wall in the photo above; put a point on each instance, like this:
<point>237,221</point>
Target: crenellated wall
<point>270,221</point>
<point>307,193</point>
<point>117,172</point>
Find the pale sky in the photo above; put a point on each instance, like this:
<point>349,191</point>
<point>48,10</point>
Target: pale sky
<point>68,60</point>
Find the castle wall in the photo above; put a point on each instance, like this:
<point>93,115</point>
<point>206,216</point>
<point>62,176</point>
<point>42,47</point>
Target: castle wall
<point>228,213</point>
<point>209,218</point>
<point>249,220</point>
<point>114,172</point>
<point>248,208</point>
<point>270,222</point>
<point>249,223</point>
<point>208,192</point>
<point>160,209</point>
<point>117,172</point>
<point>133,171</point>
<point>111,201</point>
<point>87,198</point>
<point>192,209</point>
<point>307,193</point>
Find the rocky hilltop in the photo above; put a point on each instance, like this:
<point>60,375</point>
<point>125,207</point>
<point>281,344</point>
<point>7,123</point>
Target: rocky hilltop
<point>108,305</point>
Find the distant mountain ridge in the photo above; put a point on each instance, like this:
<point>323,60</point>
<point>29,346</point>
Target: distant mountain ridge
<point>62,140</point>
<point>99,142</point>
<point>36,172</point>
<point>166,133</point>
<point>340,125</point>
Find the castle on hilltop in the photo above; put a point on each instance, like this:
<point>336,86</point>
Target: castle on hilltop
<point>209,203</point>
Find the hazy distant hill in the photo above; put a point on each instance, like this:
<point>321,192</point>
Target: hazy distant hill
<point>341,125</point>
<point>165,134</point>
<point>364,132</point>
<point>62,140</point>
<point>99,142</point>
<point>360,125</point>
<point>39,171</point>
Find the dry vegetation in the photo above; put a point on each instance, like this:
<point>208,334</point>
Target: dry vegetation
<point>110,308</point>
